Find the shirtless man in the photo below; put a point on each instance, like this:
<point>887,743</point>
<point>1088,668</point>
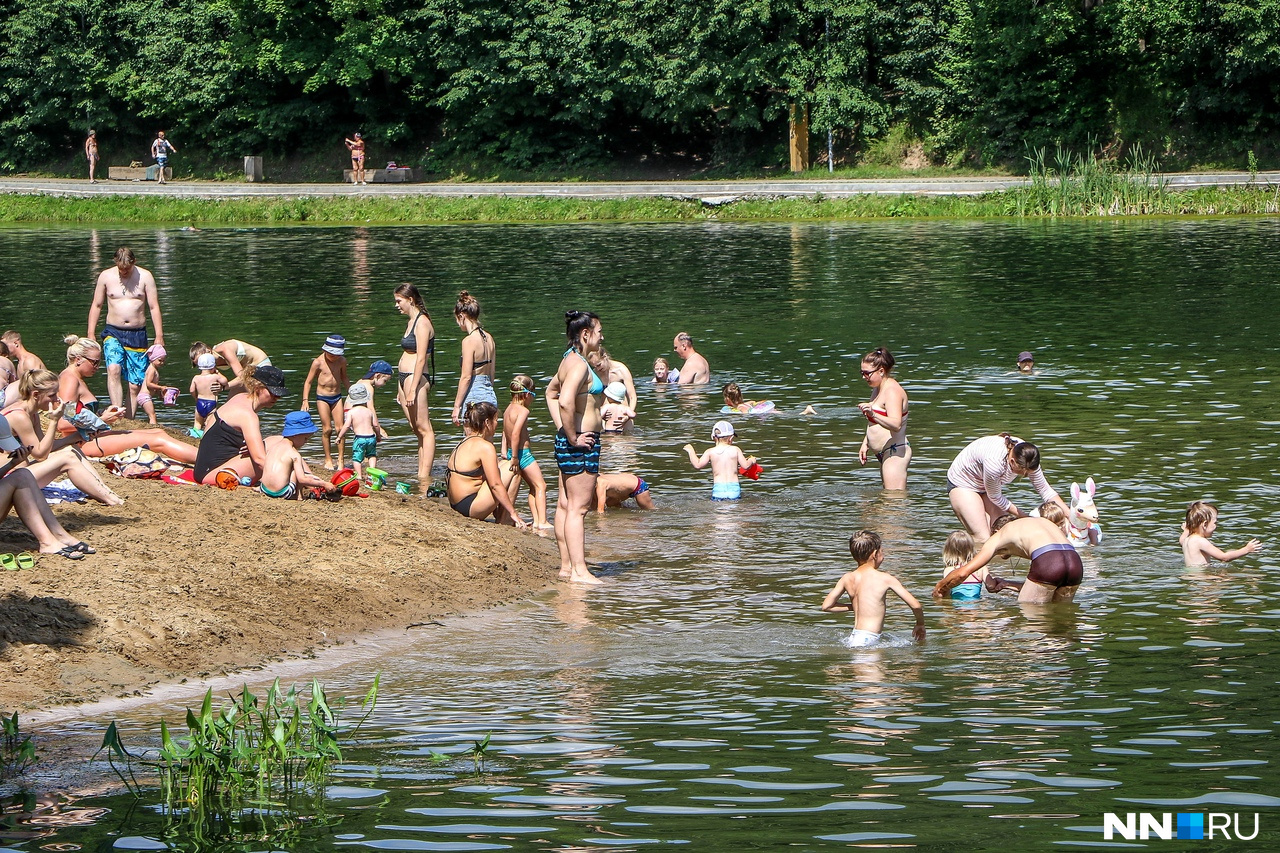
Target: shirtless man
<point>129,291</point>
<point>1056,570</point>
<point>24,360</point>
<point>695,370</point>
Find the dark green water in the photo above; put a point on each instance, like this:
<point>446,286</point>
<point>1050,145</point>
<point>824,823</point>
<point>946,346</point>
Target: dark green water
<point>701,698</point>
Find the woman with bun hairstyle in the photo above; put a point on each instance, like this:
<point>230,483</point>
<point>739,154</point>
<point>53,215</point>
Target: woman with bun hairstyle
<point>83,357</point>
<point>417,374</point>
<point>886,414</point>
<point>977,477</point>
<point>475,381</point>
<point>234,444</point>
<point>580,389</point>
<point>477,486</point>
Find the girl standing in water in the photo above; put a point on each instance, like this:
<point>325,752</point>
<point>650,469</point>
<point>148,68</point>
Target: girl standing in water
<point>417,375</point>
<point>886,414</point>
<point>475,382</point>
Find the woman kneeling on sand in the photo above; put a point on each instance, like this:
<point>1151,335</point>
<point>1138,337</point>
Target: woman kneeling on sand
<point>83,357</point>
<point>477,487</point>
<point>235,443</point>
<point>48,456</point>
<point>19,491</point>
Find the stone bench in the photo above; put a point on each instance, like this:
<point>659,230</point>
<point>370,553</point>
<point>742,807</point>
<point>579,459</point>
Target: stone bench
<point>384,176</point>
<point>137,173</point>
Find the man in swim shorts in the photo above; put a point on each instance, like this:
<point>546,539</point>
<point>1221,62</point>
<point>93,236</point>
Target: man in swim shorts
<point>1056,570</point>
<point>129,292</point>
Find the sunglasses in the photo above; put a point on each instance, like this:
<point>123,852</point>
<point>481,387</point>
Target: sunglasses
<point>94,361</point>
<point>866,373</point>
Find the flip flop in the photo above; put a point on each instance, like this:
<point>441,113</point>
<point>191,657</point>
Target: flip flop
<point>84,548</point>
<point>69,552</point>
<point>9,562</point>
<point>26,561</point>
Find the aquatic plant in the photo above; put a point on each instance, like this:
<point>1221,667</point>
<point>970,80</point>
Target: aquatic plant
<point>17,752</point>
<point>1080,185</point>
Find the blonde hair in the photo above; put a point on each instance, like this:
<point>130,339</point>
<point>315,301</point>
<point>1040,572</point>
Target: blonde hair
<point>1052,511</point>
<point>732,394</point>
<point>251,384</point>
<point>36,382</point>
<point>1200,514</point>
<point>78,347</point>
<point>958,550</point>
<point>521,384</point>
<point>662,361</point>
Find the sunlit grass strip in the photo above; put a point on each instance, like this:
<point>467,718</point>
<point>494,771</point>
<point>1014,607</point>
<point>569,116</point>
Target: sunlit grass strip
<point>1087,191</point>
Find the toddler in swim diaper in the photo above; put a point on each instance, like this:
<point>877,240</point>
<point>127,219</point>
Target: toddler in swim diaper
<point>725,459</point>
<point>205,387</point>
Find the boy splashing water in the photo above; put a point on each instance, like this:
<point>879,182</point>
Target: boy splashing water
<point>867,588</point>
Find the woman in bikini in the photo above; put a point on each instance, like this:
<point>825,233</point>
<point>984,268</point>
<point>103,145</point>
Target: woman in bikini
<point>234,444</point>
<point>83,357</point>
<point>475,382</point>
<point>580,389</point>
<point>978,475</point>
<point>417,375</point>
<point>478,487</point>
<point>50,456</point>
<point>356,147</point>
<point>886,414</point>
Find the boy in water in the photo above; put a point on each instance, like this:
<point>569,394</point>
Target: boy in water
<point>205,387</point>
<point>363,425</point>
<point>1197,550</point>
<point>613,489</point>
<point>867,588</point>
<point>329,372</point>
<point>285,471</point>
<point>725,459</point>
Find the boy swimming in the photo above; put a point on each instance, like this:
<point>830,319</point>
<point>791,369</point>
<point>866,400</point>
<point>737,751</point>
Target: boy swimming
<point>725,459</point>
<point>867,588</point>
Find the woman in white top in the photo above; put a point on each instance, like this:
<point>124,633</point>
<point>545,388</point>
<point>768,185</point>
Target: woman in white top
<point>977,477</point>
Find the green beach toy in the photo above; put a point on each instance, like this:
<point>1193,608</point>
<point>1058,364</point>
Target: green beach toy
<point>377,478</point>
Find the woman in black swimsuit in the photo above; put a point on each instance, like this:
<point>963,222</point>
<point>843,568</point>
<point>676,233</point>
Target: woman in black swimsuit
<point>477,486</point>
<point>417,375</point>
<point>235,443</point>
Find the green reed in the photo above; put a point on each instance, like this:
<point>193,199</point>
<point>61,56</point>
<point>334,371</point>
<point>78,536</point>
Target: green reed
<point>17,752</point>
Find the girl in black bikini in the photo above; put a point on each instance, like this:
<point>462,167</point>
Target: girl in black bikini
<point>477,486</point>
<point>418,350</point>
<point>475,381</point>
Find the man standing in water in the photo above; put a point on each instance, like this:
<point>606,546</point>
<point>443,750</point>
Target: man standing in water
<point>1055,572</point>
<point>129,291</point>
<point>695,370</point>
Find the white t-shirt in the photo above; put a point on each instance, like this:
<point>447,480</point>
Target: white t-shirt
<point>983,467</point>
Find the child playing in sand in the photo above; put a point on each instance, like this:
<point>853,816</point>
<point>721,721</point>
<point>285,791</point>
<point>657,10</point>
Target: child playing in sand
<point>867,588</point>
<point>285,471</point>
<point>616,416</point>
<point>958,550</point>
<point>329,372</point>
<point>613,489</point>
<point>205,387</point>
<point>363,425</point>
<point>151,386</point>
<point>663,374</point>
<point>1197,550</point>
<point>725,459</point>
<point>515,449</point>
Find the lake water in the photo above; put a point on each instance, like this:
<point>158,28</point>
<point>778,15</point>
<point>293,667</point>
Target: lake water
<point>700,697</point>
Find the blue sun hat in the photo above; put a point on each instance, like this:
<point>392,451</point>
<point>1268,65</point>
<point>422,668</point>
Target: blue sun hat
<point>379,367</point>
<point>335,345</point>
<point>298,423</point>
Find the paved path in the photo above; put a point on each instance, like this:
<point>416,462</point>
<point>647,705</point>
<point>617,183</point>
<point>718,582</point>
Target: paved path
<point>707,190</point>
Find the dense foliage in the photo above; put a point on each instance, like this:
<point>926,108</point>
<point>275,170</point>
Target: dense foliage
<point>554,82</point>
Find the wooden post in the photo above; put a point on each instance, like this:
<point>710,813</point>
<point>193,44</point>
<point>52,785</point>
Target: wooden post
<point>799,137</point>
<point>253,169</point>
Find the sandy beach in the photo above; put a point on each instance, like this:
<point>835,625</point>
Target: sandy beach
<point>191,582</point>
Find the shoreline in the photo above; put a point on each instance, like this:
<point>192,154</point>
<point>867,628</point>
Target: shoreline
<point>31,201</point>
<point>192,583</point>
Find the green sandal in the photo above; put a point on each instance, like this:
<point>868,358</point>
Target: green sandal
<point>26,561</point>
<point>8,562</point>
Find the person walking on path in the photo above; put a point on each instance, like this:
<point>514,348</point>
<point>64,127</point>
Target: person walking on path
<point>160,149</point>
<point>129,292</point>
<point>91,153</point>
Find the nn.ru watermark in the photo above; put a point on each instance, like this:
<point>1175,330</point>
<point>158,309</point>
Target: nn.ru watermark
<point>1186,827</point>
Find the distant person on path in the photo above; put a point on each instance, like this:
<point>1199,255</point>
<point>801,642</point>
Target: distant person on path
<point>695,370</point>
<point>1197,550</point>
<point>886,414</point>
<point>867,588</point>
<point>978,475</point>
<point>356,147</point>
<point>160,149</point>
<point>24,360</point>
<point>475,380</point>
<point>129,292</point>
<point>1056,570</point>
<point>91,153</point>
<point>417,375</point>
<point>577,441</point>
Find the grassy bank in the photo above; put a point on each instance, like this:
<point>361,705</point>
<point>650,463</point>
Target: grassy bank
<point>1037,200</point>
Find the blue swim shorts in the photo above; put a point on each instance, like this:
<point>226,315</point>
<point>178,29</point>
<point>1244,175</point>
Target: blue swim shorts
<point>573,460</point>
<point>725,491</point>
<point>127,347</point>
<point>526,457</point>
<point>364,446</point>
